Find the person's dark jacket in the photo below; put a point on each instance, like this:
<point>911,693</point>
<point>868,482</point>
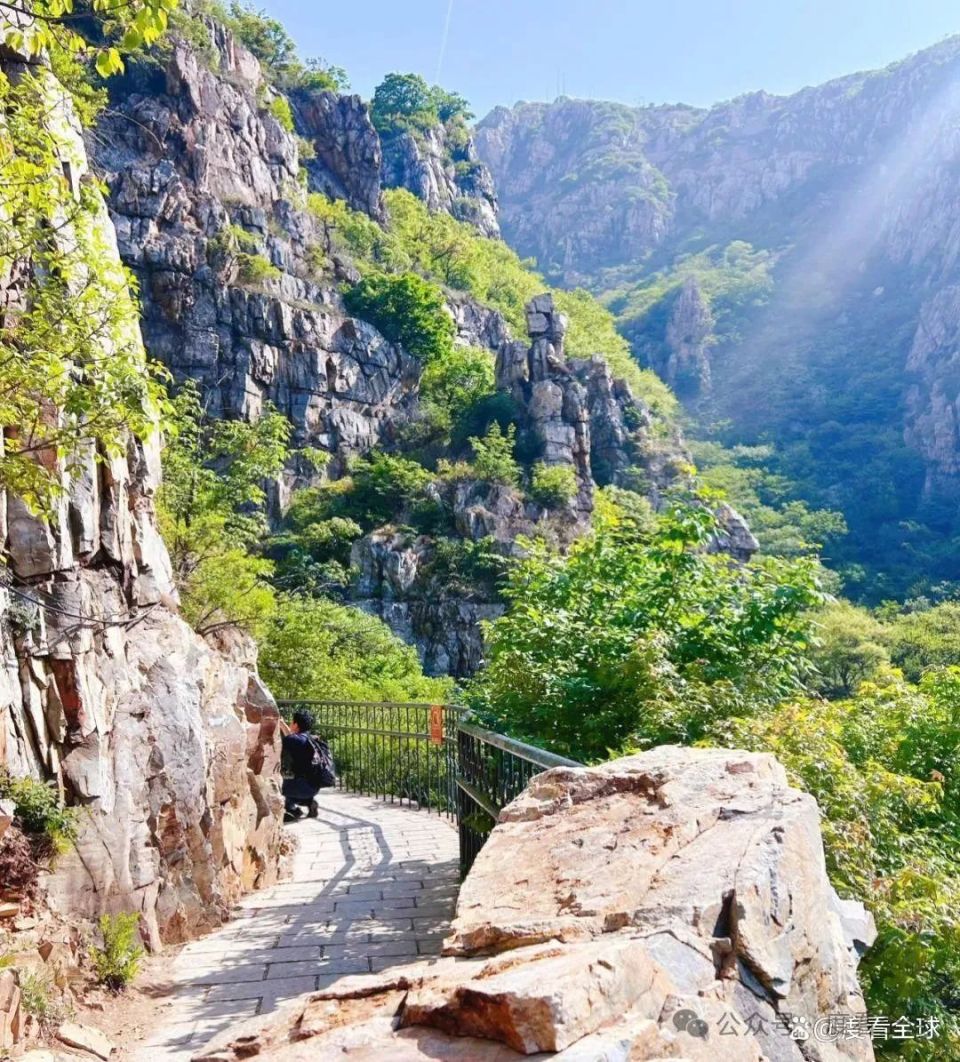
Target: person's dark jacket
<point>297,758</point>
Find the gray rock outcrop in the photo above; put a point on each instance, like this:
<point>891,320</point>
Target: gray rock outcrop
<point>165,743</point>
<point>447,177</point>
<point>571,413</point>
<point>673,904</point>
<point>203,181</point>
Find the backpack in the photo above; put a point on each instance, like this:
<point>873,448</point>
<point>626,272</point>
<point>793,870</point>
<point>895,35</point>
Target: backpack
<point>322,773</point>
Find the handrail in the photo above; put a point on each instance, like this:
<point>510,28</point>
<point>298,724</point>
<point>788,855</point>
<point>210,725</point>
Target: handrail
<point>431,755</point>
<point>531,753</point>
<point>289,702</point>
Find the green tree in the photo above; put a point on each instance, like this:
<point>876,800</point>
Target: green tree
<point>408,310</point>
<point>638,637</point>
<point>850,646</point>
<point>315,648</point>
<point>493,458</point>
<point>553,485</point>
<point>266,37</point>
<point>926,639</point>
<point>404,101</point>
<point>212,512</point>
<point>54,26</point>
<point>73,377</point>
<point>452,385</point>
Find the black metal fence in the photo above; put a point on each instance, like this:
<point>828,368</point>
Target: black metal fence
<point>491,771</point>
<point>430,756</point>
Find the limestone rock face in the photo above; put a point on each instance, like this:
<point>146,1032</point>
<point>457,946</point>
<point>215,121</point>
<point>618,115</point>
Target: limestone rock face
<point>673,904</point>
<point>166,743</point>
<point>573,413</point>
<point>686,364</point>
<point>348,152</point>
<point>446,177</point>
<point>231,168</point>
<point>933,405</point>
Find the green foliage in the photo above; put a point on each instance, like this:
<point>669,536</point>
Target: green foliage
<point>466,568</point>
<point>116,964</point>
<point>553,485</point>
<point>639,637</point>
<point>73,377</point>
<point>452,387</point>
<point>380,488</point>
<point>40,810</point>
<point>241,251</point>
<point>493,458</point>
<point>38,998</point>
<point>354,233</point>
<point>211,512</point>
<point>281,110</point>
<point>730,278</point>
<point>254,269</point>
<point>406,101</point>
<point>784,526</point>
<point>384,485</point>
<point>269,41</point>
<point>407,309</point>
<point>926,639</point>
<point>321,76</point>
<point>850,647</point>
<point>49,26</point>
<point>883,766</point>
<point>318,649</point>
<point>312,552</point>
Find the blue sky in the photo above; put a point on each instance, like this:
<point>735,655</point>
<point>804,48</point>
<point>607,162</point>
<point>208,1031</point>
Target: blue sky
<point>650,51</point>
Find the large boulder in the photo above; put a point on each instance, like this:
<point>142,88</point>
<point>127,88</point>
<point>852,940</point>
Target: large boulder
<point>670,904</point>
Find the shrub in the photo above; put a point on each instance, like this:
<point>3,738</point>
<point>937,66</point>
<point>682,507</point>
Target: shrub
<point>553,485</point>
<point>255,269</point>
<point>384,485</point>
<point>281,110</point>
<point>37,998</point>
<point>493,456</point>
<point>453,384</point>
<point>118,961</point>
<point>319,649</point>
<point>40,810</point>
<point>408,310</point>
<point>639,637</point>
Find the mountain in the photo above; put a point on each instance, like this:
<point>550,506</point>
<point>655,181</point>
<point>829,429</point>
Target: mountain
<point>265,222</point>
<point>791,266</point>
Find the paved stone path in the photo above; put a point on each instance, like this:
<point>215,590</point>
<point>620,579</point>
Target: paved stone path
<point>373,886</point>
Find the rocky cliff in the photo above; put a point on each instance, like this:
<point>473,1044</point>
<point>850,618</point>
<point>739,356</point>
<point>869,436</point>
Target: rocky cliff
<point>672,904</point>
<point>241,291</point>
<point>573,414</point>
<point>166,743</point>
<point>787,263</point>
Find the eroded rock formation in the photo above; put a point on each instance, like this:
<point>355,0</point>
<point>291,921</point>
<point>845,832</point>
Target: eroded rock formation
<point>203,181</point>
<point>165,742</point>
<point>671,904</point>
<point>572,413</point>
<point>445,176</point>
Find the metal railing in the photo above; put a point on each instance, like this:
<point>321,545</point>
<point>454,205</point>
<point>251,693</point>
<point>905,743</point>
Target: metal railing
<point>430,756</point>
<point>492,770</point>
